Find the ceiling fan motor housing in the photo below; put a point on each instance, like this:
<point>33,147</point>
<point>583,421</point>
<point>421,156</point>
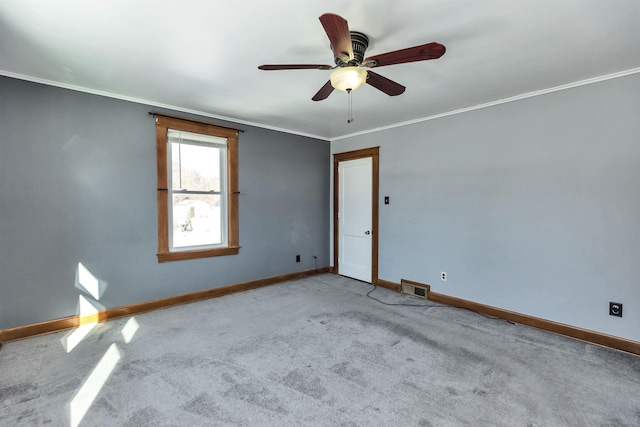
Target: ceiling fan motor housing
<point>359,43</point>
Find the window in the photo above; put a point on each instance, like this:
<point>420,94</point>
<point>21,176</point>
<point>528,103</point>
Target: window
<point>197,189</point>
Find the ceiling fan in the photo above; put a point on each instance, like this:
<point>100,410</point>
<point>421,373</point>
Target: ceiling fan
<point>352,69</point>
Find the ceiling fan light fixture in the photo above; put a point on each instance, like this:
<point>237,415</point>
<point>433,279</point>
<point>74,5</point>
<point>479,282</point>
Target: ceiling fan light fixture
<point>348,78</point>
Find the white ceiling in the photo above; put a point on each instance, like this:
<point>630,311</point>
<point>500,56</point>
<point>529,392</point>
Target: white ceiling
<point>202,56</point>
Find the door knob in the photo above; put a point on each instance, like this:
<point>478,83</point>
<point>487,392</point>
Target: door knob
<point>367,232</point>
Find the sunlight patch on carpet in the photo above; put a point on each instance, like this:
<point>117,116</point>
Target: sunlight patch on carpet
<point>83,400</point>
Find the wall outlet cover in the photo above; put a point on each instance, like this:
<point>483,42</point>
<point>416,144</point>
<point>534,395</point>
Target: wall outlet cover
<point>615,309</point>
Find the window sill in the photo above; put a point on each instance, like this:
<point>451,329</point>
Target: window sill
<point>195,254</point>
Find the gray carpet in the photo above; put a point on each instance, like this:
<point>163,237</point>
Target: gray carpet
<point>316,352</point>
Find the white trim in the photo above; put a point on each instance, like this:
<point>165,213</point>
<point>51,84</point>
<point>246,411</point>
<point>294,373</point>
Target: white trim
<point>497,102</point>
<point>155,104</point>
<point>364,132</point>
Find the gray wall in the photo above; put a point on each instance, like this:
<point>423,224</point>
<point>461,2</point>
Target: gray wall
<point>531,206</point>
<point>78,184</point>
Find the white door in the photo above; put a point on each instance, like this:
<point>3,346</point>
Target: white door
<point>355,218</point>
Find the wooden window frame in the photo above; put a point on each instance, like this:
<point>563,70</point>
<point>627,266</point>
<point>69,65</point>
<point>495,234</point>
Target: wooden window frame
<point>163,124</point>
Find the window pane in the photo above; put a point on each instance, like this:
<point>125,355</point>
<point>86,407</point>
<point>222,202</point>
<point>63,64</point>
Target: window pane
<point>197,220</point>
<point>195,167</point>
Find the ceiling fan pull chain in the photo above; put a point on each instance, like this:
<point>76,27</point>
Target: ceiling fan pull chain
<point>350,103</point>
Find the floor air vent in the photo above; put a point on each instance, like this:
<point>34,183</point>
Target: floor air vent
<point>414,288</point>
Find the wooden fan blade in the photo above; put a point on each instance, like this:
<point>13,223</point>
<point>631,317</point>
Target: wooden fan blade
<point>411,54</point>
<point>337,30</point>
<point>387,86</point>
<point>295,67</point>
<point>324,92</point>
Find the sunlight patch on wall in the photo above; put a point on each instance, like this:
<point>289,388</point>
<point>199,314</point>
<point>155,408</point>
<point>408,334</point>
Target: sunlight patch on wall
<point>88,318</point>
<point>88,312</point>
<point>88,308</point>
<point>88,281</point>
<point>84,398</point>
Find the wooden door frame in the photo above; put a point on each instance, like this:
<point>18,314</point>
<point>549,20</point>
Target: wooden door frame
<point>374,153</point>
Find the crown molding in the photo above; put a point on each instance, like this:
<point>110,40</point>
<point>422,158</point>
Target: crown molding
<point>496,102</point>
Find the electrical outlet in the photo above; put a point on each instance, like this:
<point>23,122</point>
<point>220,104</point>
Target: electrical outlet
<point>297,258</point>
<point>443,276</point>
<point>615,309</point>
